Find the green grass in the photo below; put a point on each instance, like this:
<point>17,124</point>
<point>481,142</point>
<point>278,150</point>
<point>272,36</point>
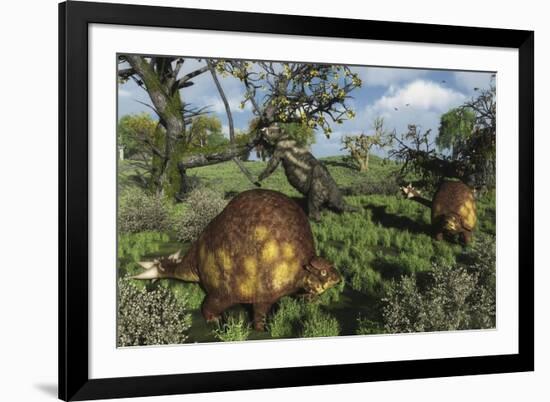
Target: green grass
<point>388,238</point>
<point>235,327</point>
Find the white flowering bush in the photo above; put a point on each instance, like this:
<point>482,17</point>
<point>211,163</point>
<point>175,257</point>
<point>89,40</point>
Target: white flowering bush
<point>450,297</point>
<point>150,317</point>
<point>140,212</point>
<point>203,205</point>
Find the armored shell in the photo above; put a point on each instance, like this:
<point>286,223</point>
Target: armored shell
<point>255,250</point>
<point>454,199</point>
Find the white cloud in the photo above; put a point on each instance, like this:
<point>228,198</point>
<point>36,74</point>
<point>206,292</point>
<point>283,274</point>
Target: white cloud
<point>216,105</point>
<point>419,95</point>
<point>386,76</point>
<point>328,146</point>
<point>426,100</point>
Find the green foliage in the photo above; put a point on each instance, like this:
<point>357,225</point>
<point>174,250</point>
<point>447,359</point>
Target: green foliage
<point>455,128</point>
<point>374,248</point>
<point>299,317</point>
<point>283,323</point>
<point>310,94</point>
<point>368,327</point>
<point>133,130</point>
<point>455,297</point>
<point>301,133</point>
<point>318,323</point>
<point>138,212</point>
<point>150,317</point>
<point>234,328</point>
<point>191,293</point>
<point>389,238</point>
<point>204,127</point>
<point>203,205</point>
<point>133,246</point>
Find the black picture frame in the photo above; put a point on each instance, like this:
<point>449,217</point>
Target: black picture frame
<point>74,18</point>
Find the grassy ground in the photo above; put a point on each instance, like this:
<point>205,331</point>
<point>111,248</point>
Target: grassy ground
<point>389,237</point>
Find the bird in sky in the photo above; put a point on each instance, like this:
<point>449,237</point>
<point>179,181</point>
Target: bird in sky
<point>395,109</point>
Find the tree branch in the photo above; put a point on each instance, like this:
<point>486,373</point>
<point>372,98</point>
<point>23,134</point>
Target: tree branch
<point>126,72</point>
<point>183,81</point>
<point>241,166</point>
<point>194,161</point>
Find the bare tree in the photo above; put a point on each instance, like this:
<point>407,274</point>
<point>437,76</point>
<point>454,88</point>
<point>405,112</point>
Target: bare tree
<point>360,145</point>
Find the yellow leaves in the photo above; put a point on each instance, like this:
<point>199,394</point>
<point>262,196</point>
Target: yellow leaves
<point>287,71</point>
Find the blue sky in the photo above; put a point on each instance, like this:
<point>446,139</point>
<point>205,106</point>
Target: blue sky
<point>428,93</point>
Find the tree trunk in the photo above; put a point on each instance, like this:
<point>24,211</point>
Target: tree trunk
<point>241,166</point>
<point>364,163</point>
<point>167,104</point>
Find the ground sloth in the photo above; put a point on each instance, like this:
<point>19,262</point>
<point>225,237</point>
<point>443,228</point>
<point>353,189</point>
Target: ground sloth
<point>453,209</point>
<point>304,172</point>
<point>257,250</point>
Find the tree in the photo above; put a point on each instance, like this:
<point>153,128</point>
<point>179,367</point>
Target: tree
<point>206,132</point>
<point>134,133</point>
<point>303,134</point>
<point>360,146</point>
<point>456,127</point>
<point>306,95</point>
<point>160,77</point>
<point>309,94</point>
<point>475,160</point>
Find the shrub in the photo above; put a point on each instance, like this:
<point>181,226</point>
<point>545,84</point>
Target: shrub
<point>451,297</point>
<point>387,185</point>
<point>301,318</point>
<point>368,327</point>
<point>203,205</point>
<point>283,322</point>
<point>318,323</point>
<point>132,246</point>
<point>235,328</point>
<point>139,212</point>
<point>479,261</point>
<point>150,317</point>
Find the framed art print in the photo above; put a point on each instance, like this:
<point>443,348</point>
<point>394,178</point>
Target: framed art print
<point>258,200</point>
